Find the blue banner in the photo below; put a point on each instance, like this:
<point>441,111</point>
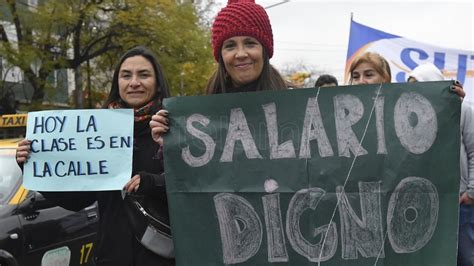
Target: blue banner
<point>404,55</point>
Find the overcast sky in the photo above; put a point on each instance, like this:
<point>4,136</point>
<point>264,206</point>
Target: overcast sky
<point>316,33</point>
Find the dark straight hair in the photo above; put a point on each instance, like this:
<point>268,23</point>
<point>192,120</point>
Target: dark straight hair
<point>325,79</point>
<point>161,89</point>
<point>269,79</point>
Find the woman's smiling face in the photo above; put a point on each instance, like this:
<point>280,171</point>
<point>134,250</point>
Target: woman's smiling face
<point>137,81</point>
<point>243,59</point>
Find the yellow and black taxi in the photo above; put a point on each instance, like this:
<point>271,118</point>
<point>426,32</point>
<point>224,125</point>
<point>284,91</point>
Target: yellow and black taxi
<point>33,230</point>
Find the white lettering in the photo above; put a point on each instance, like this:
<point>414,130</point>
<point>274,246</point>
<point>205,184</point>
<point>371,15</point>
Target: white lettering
<point>416,124</point>
<point>361,234</point>
<point>275,230</point>
<point>348,110</point>
<point>286,149</point>
<point>241,229</point>
<point>209,143</point>
<point>239,131</point>
<point>412,214</point>
<point>302,200</point>
<point>313,128</point>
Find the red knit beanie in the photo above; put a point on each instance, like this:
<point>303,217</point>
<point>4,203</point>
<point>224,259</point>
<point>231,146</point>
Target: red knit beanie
<point>242,18</point>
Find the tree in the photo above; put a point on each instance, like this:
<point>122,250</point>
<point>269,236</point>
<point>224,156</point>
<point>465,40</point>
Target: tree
<point>8,104</point>
<point>70,33</point>
<point>301,75</point>
<point>180,41</point>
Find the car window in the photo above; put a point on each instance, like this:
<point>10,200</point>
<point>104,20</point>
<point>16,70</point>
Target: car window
<point>10,175</point>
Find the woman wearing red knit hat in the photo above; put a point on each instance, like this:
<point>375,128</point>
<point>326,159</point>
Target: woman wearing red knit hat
<point>242,41</point>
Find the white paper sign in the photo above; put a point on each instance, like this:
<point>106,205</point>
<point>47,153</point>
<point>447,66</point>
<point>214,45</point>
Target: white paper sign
<point>79,150</point>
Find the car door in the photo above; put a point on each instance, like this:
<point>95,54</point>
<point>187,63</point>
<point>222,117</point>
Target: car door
<point>55,236</point>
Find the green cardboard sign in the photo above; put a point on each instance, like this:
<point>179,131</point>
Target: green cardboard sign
<point>359,175</point>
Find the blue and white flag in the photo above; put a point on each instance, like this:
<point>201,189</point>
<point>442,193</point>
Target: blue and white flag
<point>404,55</point>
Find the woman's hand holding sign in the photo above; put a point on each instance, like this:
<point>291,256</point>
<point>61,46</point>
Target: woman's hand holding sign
<point>133,184</point>
<point>23,151</point>
<point>159,126</point>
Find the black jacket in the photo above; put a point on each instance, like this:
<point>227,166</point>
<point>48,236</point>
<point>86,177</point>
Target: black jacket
<point>116,244</point>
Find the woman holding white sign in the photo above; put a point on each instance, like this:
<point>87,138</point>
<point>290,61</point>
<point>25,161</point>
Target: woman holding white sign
<point>129,220</point>
<point>242,41</point>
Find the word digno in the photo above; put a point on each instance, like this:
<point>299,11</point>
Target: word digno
<point>412,215</point>
<point>348,110</point>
